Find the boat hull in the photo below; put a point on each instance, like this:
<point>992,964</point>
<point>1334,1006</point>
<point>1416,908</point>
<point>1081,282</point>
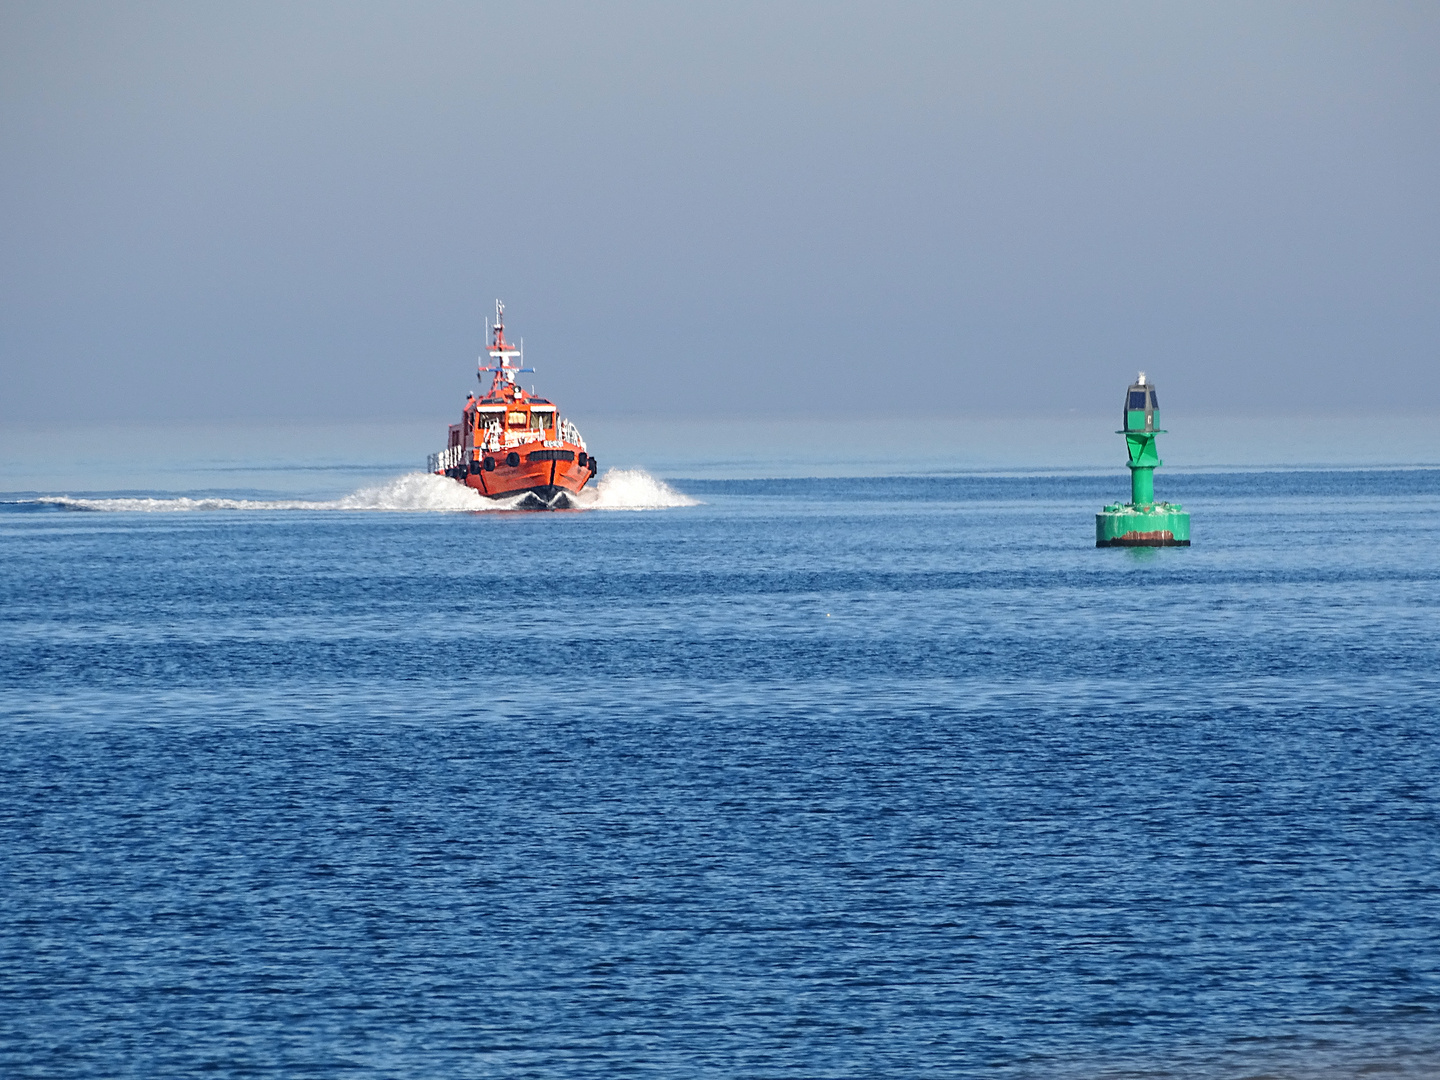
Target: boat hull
<point>552,484</point>
<point>540,498</point>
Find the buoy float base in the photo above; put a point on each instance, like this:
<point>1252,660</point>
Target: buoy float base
<point>1151,525</point>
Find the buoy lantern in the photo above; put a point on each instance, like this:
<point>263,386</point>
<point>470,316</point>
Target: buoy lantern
<point>1142,522</point>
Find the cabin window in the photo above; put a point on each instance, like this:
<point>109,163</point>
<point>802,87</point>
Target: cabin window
<point>1137,399</point>
<point>517,419</point>
<point>540,420</point>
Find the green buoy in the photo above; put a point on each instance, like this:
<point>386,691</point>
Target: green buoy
<point>1142,522</point>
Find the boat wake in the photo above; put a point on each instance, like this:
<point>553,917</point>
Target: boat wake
<point>632,489</point>
<point>618,489</point>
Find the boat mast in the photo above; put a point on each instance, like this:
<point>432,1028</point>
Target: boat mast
<point>500,353</point>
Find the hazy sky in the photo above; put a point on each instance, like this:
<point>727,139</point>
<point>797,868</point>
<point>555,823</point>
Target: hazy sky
<point>824,209</point>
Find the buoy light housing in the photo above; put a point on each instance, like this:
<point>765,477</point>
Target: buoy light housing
<point>1142,406</point>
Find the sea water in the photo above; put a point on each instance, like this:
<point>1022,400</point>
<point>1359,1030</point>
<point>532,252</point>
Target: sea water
<point>812,778</point>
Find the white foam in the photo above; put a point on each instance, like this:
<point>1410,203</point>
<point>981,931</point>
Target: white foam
<point>415,491</point>
<point>618,489</point>
<point>632,489</point>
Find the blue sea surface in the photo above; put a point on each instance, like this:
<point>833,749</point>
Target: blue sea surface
<point>818,778</point>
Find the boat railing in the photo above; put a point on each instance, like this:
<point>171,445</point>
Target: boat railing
<point>520,438</point>
<point>445,459</point>
<point>495,439</point>
<point>570,433</point>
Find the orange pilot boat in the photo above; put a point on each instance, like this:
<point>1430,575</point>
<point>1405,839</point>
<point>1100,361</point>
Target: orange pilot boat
<point>510,443</point>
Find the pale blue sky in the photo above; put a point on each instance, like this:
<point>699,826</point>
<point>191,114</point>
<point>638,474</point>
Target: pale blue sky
<point>258,211</point>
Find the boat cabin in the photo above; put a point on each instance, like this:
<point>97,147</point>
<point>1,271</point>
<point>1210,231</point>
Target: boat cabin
<point>484,419</point>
